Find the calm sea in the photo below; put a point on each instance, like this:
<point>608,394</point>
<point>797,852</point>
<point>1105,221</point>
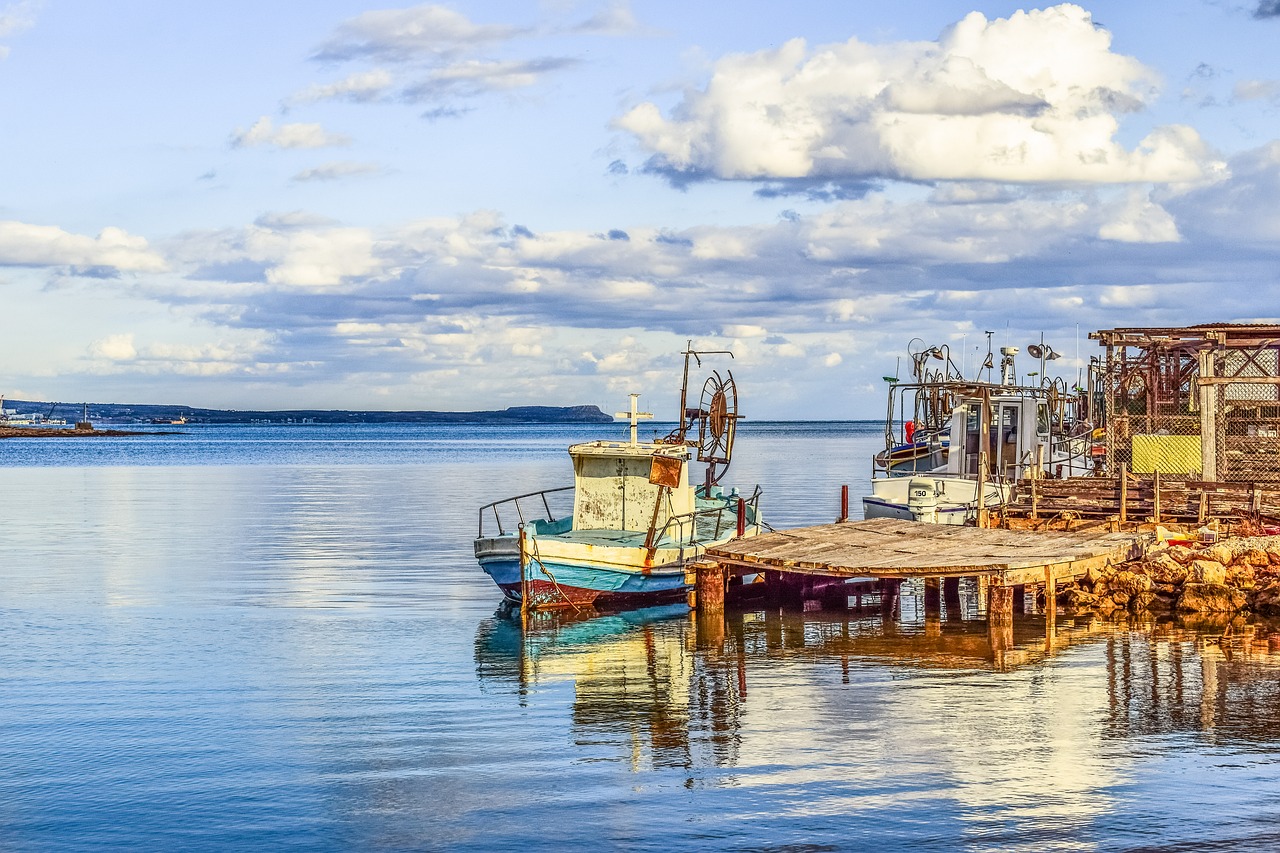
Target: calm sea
<point>276,638</point>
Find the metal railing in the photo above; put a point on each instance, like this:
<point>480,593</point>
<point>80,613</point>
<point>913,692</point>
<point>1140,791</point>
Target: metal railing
<point>688,525</point>
<point>496,506</point>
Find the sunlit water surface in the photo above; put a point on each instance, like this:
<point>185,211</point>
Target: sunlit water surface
<point>276,637</point>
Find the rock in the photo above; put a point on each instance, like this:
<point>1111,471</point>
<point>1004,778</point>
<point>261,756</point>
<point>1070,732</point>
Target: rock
<point>1254,556</point>
<point>1129,583</point>
<point>1166,569</point>
<point>1206,571</point>
<point>1078,599</point>
<point>1142,601</point>
<point>1241,577</point>
<point>1101,588</point>
<point>1161,602</point>
<point>1266,599</point>
<point>1223,553</point>
<point>1210,598</point>
<point>1183,555</point>
<point>1120,599</point>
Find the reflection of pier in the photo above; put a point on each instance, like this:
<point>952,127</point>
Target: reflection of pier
<point>1175,679</point>
<point>831,563</point>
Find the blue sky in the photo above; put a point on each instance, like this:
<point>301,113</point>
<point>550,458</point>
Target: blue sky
<point>475,205</point>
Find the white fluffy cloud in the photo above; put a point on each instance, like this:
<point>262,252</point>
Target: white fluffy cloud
<point>297,135</point>
<point>1034,97</point>
<point>23,244</point>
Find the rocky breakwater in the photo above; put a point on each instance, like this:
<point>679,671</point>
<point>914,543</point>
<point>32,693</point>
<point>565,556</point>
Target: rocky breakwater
<point>1227,577</point>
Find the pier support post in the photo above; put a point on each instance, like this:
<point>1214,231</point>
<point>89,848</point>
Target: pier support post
<point>1000,616</point>
<point>889,594</point>
<point>951,598</point>
<point>932,596</point>
<point>709,584</point>
<point>1020,598</point>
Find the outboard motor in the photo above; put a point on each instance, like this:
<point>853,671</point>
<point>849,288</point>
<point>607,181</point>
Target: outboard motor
<point>922,499</point>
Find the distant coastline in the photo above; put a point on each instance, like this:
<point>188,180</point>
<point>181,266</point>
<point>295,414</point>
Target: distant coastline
<point>119,413</point>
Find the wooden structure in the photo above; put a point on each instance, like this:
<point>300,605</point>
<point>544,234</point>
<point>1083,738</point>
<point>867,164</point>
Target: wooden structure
<point>1145,497</point>
<point>889,551</point>
<point>1200,402</point>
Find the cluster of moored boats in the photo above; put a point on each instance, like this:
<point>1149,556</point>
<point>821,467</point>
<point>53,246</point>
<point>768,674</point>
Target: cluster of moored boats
<point>953,446</point>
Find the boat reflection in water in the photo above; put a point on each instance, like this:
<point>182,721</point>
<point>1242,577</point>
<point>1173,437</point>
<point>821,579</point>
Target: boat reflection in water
<point>638,676</point>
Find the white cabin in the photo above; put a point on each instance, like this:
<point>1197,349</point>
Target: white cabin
<point>620,486</point>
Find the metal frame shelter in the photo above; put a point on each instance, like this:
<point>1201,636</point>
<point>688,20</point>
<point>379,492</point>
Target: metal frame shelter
<point>1198,402</point>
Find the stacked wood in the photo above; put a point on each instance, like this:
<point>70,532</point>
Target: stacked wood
<point>1179,500</point>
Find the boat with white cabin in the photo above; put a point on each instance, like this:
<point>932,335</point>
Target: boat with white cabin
<point>637,516</point>
<point>954,446</point>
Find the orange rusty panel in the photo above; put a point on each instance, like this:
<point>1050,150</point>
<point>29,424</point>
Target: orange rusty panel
<point>665,471</point>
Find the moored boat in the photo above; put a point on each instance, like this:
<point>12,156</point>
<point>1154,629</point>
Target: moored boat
<point>954,445</point>
<point>637,519</point>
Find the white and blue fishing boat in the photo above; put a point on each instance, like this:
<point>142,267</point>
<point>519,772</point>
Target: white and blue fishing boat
<point>637,517</point>
<point>954,445</point>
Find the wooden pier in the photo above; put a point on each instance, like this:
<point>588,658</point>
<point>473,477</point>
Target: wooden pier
<point>823,560</point>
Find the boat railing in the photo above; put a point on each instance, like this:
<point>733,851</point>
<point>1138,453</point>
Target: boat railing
<point>707,525</point>
<point>513,504</point>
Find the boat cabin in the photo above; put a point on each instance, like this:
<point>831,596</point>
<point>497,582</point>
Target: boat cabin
<point>633,487</point>
<point>1017,428</point>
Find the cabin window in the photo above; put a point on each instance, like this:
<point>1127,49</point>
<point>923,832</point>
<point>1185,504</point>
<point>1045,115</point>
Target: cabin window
<point>1042,419</point>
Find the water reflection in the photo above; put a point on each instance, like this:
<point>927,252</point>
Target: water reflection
<point>644,680</point>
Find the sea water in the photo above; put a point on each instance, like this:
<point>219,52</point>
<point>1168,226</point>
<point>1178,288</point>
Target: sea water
<point>276,637</point>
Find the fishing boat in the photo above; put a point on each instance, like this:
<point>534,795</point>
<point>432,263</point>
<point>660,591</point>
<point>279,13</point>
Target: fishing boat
<point>637,517</point>
<point>954,446</point>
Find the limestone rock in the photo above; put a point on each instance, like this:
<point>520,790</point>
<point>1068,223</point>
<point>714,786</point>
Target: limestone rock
<point>1241,576</point>
<point>1142,601</point>
<point>1166,569</point>
<point>1184,555</point>
<point>1206,571</point>
<point>1120,599</point>
<point>1129,583</point>
<point>1254,556</point>
<point>1266,599</point>
<point>1078,599</point>
<point>1210,598</point>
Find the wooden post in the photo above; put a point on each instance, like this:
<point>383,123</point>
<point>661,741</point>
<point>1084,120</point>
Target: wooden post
<point>844,503</point>
<point>1020,598</point>
<point>982,489</point>
<point>1208,419</point>
<point>999,616</point>
<point>742,518</point>
<point>1035,500</point>
<point>932,596</point>
<point>888,596</point>
<point>1204,505</point>
<point>1050,590</point>
<point>951,598</point>
<point>1124,493</point>
<point>1155,496</point>
<point>709,583</point>
<point>524,583</point>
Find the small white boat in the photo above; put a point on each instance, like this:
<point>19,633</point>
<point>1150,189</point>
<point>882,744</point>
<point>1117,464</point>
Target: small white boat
<point>945,435</point>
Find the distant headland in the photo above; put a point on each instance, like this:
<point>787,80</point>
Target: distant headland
<point>119,413</point>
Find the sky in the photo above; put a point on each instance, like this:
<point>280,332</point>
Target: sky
<point>475,205</point>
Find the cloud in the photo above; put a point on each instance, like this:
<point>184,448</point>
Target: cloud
<point>1035,97</point>
<point>400,35</point>
<point>16,17</point>
<point>1267,9</point>
<point>614,19</point>
<point>361,87</point>
<point>337,170</point>
<point>473,77</point>
<point>1257,90</point>
<point>297,135</point>
<point>114,348</point>
<point>23,244</point>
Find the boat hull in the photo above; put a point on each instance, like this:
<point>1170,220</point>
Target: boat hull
<point>955,499</point>
<point>564,583</point>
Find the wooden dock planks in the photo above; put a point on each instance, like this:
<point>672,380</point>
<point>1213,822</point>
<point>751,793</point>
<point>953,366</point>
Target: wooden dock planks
<point>891,548</point>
